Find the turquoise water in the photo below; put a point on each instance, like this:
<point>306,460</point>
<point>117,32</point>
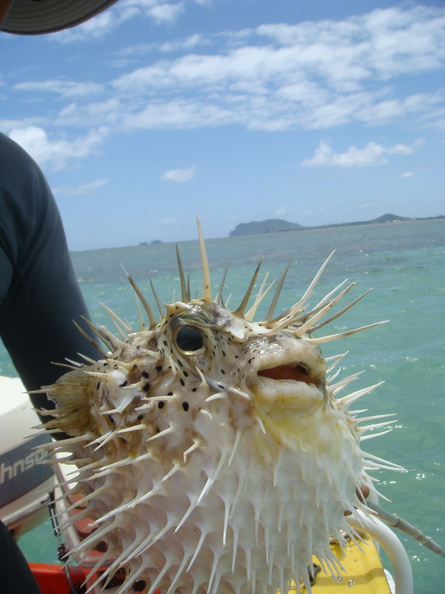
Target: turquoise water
<point>404,264</point>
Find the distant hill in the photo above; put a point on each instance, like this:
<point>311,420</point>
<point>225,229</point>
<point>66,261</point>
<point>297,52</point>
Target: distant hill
<point>278,225</point>
<point>268,226</point>
<point>389,218</point>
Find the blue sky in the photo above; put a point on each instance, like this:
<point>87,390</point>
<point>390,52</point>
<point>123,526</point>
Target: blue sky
<point>315,111</point>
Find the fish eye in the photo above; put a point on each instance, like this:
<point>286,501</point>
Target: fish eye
<point>189,338</point>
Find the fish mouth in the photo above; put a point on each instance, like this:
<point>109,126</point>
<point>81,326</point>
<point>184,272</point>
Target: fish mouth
<point>299,372</point>
<point>291,384</point>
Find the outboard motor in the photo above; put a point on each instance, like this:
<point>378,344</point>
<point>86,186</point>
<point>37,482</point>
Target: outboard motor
<point>24,481</point>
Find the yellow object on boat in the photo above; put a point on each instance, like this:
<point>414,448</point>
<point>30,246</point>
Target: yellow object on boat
<point>364,572</point>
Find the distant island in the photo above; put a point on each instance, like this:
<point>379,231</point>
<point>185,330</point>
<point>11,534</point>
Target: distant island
<point>279,225</point>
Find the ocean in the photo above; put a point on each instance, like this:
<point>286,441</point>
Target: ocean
<point>403,263</point>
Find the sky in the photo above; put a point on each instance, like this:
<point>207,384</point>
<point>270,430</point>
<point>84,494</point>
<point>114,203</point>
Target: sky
<point>155,111</point>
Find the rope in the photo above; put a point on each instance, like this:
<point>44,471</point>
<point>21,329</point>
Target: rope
<point>395,522</point>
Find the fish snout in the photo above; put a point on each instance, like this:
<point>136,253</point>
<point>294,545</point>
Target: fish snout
<point>290,374</point>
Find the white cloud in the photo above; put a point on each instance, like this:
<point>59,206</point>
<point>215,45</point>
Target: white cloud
<point>64,88</point>
<point>371,154</point>
<point>179,175</point>
<point>312,75</point>
<point>55,153</point>
<point>7,125</point>
<point>158,11</point>
<point>82,189</point>
<point>165,12</point>
<point>170,220</point>
<point>97,27</point>
<point>407,174</point>
<point>184,44</point>
<point>280,211</point>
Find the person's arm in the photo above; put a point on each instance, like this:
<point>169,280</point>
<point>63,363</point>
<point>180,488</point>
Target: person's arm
<point>39,293</point>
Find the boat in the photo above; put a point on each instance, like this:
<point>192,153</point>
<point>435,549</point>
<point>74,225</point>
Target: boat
<point>29,493</point>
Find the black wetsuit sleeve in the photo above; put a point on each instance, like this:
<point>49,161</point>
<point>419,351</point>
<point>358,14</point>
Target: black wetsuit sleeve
<point>39,293</point>
<point>16,576</point>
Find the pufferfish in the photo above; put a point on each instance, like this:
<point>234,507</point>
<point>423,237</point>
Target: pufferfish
<point>213,452</point>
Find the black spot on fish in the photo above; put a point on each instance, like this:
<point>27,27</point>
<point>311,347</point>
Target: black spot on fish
<point>185,406</point>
